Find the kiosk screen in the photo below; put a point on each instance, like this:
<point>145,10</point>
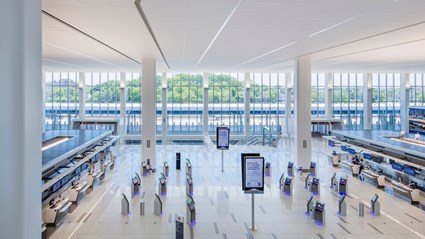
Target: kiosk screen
<point>374,198</point>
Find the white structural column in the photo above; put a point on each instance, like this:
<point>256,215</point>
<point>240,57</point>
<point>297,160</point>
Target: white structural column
<point>302,112</point>
<point>328,94</point>
<point>404,102</point>
<point>288,103</point>
<point>367,101</point>
<point>82,91</point>
<point>149,111</point>
<point>164,104</point>
<point>205,110</point>
<point>20,104</point>
<point>123,99</point>
<point>247,104</point>
<point>43,107</point>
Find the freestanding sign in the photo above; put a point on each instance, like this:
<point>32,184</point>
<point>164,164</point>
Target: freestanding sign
<point>223,134</point>
<point>222,139</point>
<point>243,155</point>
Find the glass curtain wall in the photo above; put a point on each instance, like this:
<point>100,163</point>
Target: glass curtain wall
<point>102,94</point>
<point>61,99</point>
<point>417,91</point>
<point>347,102</point>
<point>386,101</point>
<point>226,102</point>
<point>133,106</point>
<point>318,94</point>
<point>184,104</point>
<point>267,104</point>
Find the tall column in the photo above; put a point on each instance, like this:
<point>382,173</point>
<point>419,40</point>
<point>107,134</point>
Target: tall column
<point>404,102</point>
<point>247,104</point>
<point>205,101</point>
<point>328,95</point>
<point>149,112</point>
<point>367,101</point>
<point>123,99</point>
<point>302,112</point>
<point>82,91</point>
<point>164,104</point>
<point>288,103</point>
<point>43,107</point>
<point>20,104</point>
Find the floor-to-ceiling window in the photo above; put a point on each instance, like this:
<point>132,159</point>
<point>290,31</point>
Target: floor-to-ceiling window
<point>347,100</point>
<point>417,91</point>
<point>184,104</point>
<point>317,94</point>
<point>62,99</point>
<point>133,106</point>
<point>226,102</point>
<point>267,105</point>
<point>386,101</point>
<point>102,94</point>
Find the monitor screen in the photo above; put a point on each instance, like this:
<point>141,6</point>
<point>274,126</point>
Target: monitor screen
<point>377,159</point>
<point>331,143</point>
<point>64,180</point>
<point>351,151</point>
<point>56,186</point>
<point>367,156</point>
<point>77,170</point>
<point>312,164</point>
<point>288,181</point>
<point>344,148</point>
<point>409,170</point>
<point>343,181</point>
<point>243,155</point>
<point>397,166</point>
<point>290,164</point>
<point>315,180</point>
<point>320,206</point>
<point>374,198</point>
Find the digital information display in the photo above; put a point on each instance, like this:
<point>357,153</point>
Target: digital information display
<point>254,173</point>
<point>223,134</point>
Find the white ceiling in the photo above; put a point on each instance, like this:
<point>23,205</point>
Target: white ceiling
<point>237,35</point>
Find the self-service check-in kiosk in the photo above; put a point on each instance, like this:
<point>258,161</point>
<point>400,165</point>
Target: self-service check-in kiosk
<point>315,186</point>
<point>188,167</point>
<point>342,186</point>
<point>135,185</point>
<point>313,169</point>
<point>78,191</point>
<point>189,184</point>
<point>290,169</point>
<point>125,205</point>
<point>310,206</point>
<point>190,210</point>
<point>334,182</point>
<point>57,210</point>
<point>342,206</point>
<point>375,206</point>
<point>157,205</point>
<point>319,213</point>
<point>307,182</point>
<point>145,169</point>
<point>268,169</point>
<point>165,169</point>
<point>287,186</point>
<point>162,185</point>
<point>281,181</point>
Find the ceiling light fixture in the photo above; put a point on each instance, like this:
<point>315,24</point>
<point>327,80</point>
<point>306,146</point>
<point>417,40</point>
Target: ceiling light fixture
<point>333,26</point>
<point>265,54</point>
<point>219,32</point>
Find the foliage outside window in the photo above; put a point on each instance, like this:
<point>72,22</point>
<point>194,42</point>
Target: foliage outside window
<point>386,101</point>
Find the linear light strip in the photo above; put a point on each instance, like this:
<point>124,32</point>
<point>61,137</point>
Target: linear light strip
<point>60,62</point>
<point>333,26</point>
<point>265,54</point>
<point>54,144</point>
<point>219,32</point>
<point>145,20</point>
<point>87,35</point>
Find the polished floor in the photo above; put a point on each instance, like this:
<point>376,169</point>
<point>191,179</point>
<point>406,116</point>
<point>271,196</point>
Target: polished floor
<point>224,211</point>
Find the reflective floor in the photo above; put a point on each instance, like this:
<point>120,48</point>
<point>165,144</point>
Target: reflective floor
<point>224,211</point>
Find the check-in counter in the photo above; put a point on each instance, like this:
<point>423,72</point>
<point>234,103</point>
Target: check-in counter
<point>405,192</point>
<point>56,212</point>
<point>373,178</point>
<point>353,168</point>
<point>94,176</point>
<point>78,191</point>
<point>334,159</point>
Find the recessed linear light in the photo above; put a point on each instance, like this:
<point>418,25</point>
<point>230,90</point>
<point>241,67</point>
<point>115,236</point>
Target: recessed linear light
<point>84,55</point>
<point>60,62</point>
<point>219,32</point>
<point>333,26</point>
<point>265,54</point>
<point>48,146</point>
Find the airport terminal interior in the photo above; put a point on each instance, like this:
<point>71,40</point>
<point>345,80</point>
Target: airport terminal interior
<point>224,119</point>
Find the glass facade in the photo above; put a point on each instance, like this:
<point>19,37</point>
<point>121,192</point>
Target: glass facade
<point>417,91</point>
<point>386,101</point>
<point>102,94</point>
<point>226,102</point>
<point>267,105</point>
<point>61,99</point>
<point>133,106</point>
<point>347,100</point>
<point>318,94</point>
